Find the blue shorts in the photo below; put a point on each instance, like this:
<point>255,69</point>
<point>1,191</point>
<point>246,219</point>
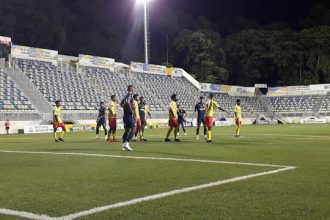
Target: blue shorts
<point>200,121</point>
<point>101,122</point>
<point>143,122</point>
<point>129,121</point>
<point>181,120</point>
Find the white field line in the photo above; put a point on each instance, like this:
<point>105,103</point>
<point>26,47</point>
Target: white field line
<point>274,136</point>
<point>24,214</point>
<point>296,136</point>
<point>169,193</point>
<point>246,137</point>
<point>145,158</point>
<point>254,137</point>
<point>291,135</point>
<point>28,215</point>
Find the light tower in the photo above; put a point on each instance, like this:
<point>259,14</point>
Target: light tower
<point>146,29</point>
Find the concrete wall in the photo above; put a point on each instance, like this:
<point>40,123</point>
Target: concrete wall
<point>15,125</point>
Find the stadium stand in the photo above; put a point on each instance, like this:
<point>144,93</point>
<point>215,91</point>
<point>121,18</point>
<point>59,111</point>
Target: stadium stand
<point>250,104</point>
<point>83,91</point>
<point>72,88</point>
<point>325,106</point>
<point>156,88</point>
<point>162,87</point>
<point>11,98</point>
<point>82,87</point>
<point>293,104</point>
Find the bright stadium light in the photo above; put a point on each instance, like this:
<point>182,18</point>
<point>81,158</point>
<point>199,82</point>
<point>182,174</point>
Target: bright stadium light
<point>144,1</point>
<point>146,28</point>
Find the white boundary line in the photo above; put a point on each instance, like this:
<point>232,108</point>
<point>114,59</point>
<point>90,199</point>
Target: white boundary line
<point>24,214</point>
<point>144,158</point>
<point>273,136</point>
<point>280,168</point>
<point>169,193</point>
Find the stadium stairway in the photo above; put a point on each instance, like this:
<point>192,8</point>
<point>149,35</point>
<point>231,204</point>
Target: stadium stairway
<point>319,103</point>
<point>263,100</point>
<point>31,92</point>
<point>269,112</point>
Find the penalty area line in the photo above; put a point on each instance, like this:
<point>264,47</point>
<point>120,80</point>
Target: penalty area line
<point>28,215</point>
<point>169,193</point>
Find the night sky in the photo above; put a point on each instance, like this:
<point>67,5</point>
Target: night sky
<point>179,30</point>
<point>89,26</point>
<point>263,11</point>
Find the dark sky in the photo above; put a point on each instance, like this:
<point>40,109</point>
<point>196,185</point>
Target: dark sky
<point>263,11</point>
<point>260,10</point>
<point>92,25</point>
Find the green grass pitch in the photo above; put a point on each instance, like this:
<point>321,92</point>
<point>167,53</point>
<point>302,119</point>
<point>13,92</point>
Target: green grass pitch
<point>57,184</point>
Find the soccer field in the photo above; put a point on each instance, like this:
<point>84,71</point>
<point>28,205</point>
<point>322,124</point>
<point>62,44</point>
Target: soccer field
<point>271,172</point>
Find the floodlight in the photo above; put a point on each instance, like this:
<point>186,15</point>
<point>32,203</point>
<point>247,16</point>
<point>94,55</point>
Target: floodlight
<point>146,27</point>
<point>143,1</point>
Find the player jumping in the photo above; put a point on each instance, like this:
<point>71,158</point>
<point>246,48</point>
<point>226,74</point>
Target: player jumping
<point>57,121</point>
<point>173,119</point>
<point>100,121</point>
<point>112,117</point>
<point>210,105</point>
<point>128,118</point>
<point>238,117</point>
<point>200,109</point>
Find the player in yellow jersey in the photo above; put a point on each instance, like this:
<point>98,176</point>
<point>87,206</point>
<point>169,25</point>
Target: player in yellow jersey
<point>173,119</point>
<point>137,117</point>
<point>57,121</point>
<point>112,117</point>
<point>209,111</point>
<point>238,117</point>
<point>141,122</point>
